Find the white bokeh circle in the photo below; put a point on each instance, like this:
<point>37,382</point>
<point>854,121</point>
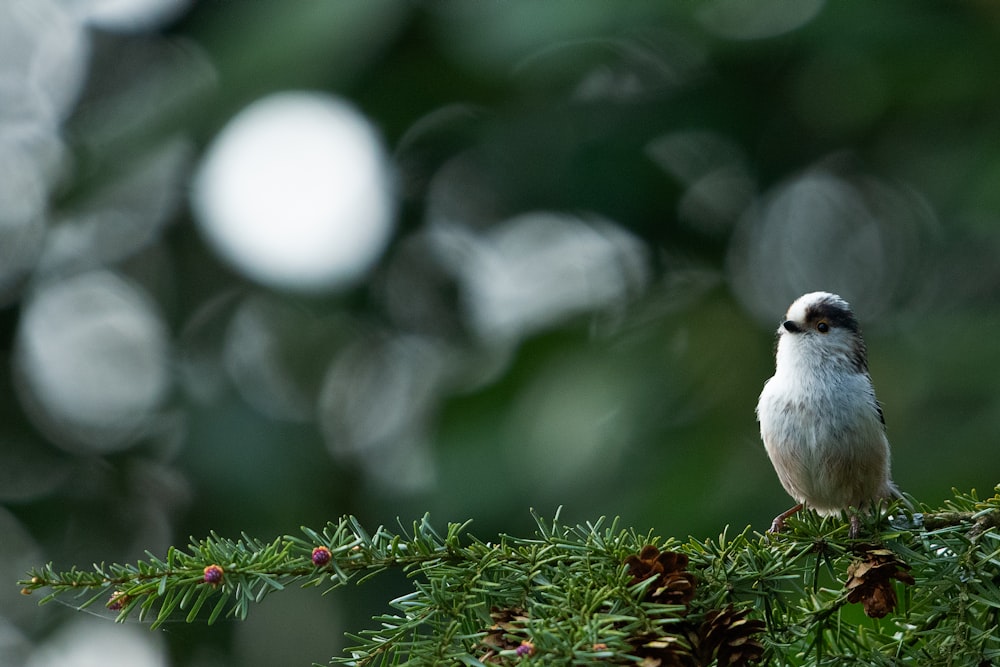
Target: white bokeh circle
<point>93,361</point>
<point>296,193</point>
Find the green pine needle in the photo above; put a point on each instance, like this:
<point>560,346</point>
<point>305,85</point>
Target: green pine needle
<point>566,595</point>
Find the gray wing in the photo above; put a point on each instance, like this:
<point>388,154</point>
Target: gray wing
<point>875,402</point>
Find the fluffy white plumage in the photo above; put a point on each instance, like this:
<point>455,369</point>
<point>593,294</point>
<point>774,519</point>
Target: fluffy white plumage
<point>820,422</point>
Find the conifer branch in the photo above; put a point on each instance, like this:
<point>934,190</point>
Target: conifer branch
<point>922,588</point>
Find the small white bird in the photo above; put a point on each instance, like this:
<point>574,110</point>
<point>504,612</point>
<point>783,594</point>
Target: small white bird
<point>820,422</point>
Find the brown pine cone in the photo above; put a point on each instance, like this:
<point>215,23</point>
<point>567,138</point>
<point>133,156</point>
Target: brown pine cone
<point>869,580</point>
<point>662,651</point>
<point>673,585</point>
<point>506,634</point>
<point>728,636</point>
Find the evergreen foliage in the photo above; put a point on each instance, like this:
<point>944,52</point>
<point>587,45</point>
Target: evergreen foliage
<point>919,589</point>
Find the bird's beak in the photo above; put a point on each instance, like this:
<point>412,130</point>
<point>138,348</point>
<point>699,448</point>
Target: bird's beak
<point>790,326</point>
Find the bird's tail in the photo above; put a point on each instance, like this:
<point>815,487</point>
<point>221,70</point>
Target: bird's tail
<point>892,492</point>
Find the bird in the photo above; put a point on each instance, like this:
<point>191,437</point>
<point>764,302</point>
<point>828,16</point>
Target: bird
<point>822,427</point>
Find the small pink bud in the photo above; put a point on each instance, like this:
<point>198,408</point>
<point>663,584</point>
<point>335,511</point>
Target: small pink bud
<point>321,556</point>
<point>118,601</point>
<point>213,574</point>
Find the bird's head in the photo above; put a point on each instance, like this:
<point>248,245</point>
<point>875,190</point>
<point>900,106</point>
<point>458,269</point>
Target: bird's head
<point>820,328</point>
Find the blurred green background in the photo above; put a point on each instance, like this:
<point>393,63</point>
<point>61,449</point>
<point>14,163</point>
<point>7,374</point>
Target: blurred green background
<point>596,214</point>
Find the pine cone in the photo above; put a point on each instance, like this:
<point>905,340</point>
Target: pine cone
<point>506,634</point>
<point>673,585</point>
<point>727,635</point>
<point>725,638</point>
<point>869,580</point>
<point>662,651</point>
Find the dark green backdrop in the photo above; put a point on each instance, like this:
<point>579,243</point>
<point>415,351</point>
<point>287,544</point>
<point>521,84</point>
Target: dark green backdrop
<point>687,169</point>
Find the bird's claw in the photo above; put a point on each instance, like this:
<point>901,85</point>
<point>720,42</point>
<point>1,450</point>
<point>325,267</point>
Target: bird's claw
<point>778,524</point>
<point>855,529</point>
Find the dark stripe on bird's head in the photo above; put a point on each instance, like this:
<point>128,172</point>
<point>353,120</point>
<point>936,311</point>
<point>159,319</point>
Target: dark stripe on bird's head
<point>834,311</point>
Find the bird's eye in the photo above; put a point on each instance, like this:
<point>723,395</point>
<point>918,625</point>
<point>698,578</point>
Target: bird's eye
<point>822,327</point>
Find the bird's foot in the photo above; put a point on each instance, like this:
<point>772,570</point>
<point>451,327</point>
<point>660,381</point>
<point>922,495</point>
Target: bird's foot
<point>855,529</point>
<point>778,524</point>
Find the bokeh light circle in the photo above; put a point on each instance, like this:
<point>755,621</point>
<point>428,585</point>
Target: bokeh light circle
<point>296,193</point>
<point>831,229</point>
<point>92,359</point>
